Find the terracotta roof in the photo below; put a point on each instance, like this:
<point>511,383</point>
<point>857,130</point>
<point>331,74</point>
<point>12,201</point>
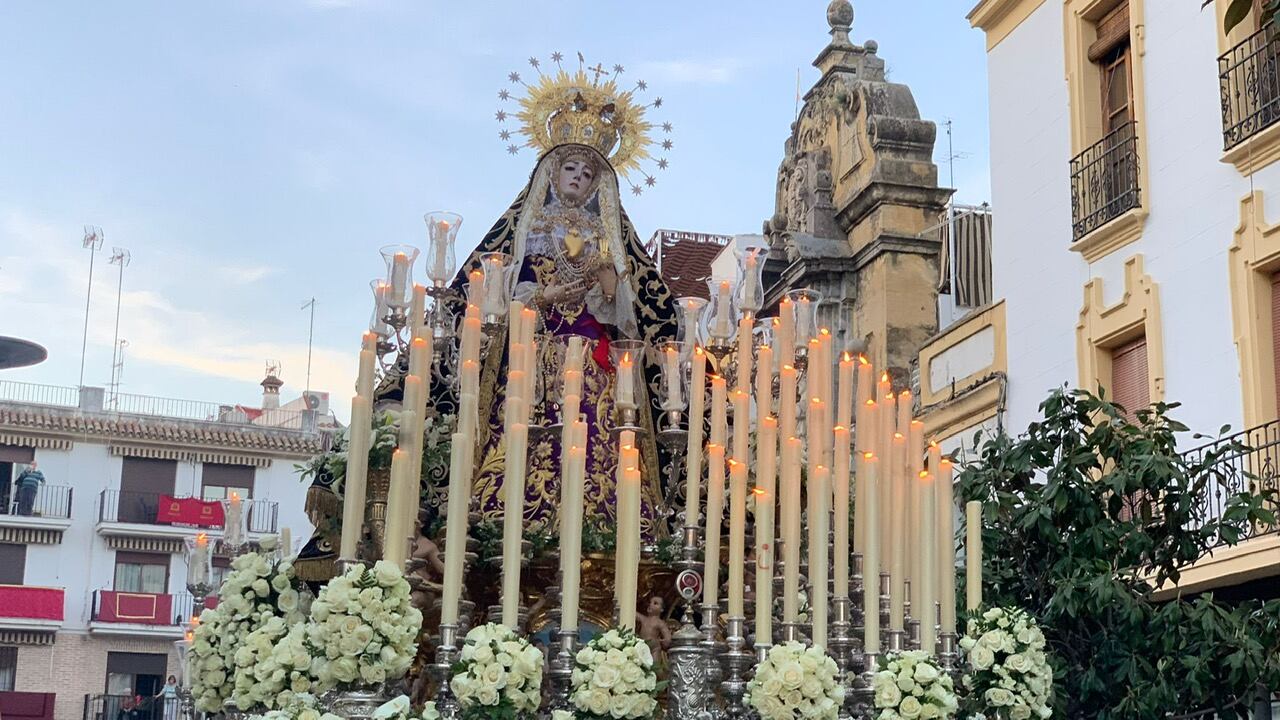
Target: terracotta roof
<point>685,259</point>
<point>188,433</point>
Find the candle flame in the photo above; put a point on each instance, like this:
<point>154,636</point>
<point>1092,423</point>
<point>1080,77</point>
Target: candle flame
<point>846,357</point>
<point>933,443</point>
<point>862,359</point>
<point>924,474</point>
<point>871,402</point>
<point>401,255</point>
<point>917,422</point>
<point>946,461</point>
<point>897,436</point>
<point>697,350</point>
<point>868,455</point>
<point>235,496</point>
<point>777,322</point>
<point>904,394</point>
<point>201,538</point>
<point>824,331</point>
<point>626,358</point>
<point>884,376</point>
<point>758,491</point>
<point>724,284</point>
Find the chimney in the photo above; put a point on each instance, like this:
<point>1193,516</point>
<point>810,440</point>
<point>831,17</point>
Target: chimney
<point>271,388</point>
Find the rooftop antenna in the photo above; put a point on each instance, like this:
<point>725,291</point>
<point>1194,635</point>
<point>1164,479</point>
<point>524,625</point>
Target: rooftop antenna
<point>311,330</point>
<point>93,243</point>
<point>952,155</point>
<point>121,257</point>
<point>117,371</point>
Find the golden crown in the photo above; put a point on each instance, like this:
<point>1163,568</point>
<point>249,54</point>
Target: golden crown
<point>586,107</point>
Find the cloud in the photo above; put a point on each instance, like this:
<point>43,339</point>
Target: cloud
<point>709,71</point>
<point>245,274</point>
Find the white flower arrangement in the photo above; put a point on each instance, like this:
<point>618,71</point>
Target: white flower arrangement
<point>301,706</point>
<point>1008,670</point>
<point>613,677</point>
<point>400,708</point>
<point>795,681</point>
<point>363,628</point>
<point>259,588</point>
<point>498,674</point>
<point>910,685</point>
<point>273,665</point>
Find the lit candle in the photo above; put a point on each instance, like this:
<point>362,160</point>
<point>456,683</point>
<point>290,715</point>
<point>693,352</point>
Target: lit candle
<point>286,542</point>
<point>380,309</point>
<point>671,361</point>
<point>353,491</point>
<point>819,521</point>
<point>911,545</point>
<point>884,439</point>
<point>571,534</point>
<point>871,554</point>
<point>840,514</point>
<point>418,310</point>
<point>928,561</point>
<point>750,283</point>
<point>894,555</point>
<point>690,326</point>
<point>764,381</point>
<point>804,318</point>
<point>626,382</point>
<point>513,521</point>
<point>399,276</point>
<point>743,370</point>
<point>455,528</point>
<point>693,476</point>
<point>715,516</point>
<point>787,401</point>
<point>737,535</point>
<point>198,572</point>
<point>394,539</point>
<point>494,286</point>
<point>766,498</point>
<point>973,555</point>
<point>789,495</point>
<point>719,411</point>
<point>946,547</point>
<point>786,336</point>
<point>234,532</point>
<point>475,287</point>
<point>723,324</point>
<point>844,397</point>
<point>867,414</point>
<point>741,425</point>
<point>864,393</point>
<point>904,411</point>
<point>438,269</point>
<point>628,518</point>
<point>815,436</point>
<point>471,330</point>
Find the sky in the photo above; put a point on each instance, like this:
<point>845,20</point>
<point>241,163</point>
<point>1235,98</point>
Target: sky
<point>254,154</point>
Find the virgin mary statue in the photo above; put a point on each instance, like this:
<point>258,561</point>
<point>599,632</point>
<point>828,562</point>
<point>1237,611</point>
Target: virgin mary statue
<point>580,264</point>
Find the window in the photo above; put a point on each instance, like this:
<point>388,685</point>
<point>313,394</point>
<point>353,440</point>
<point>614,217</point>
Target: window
<point>8,668</point>
<point>1111,53</point>
<point>141,572</point>
<point>13,564</point>
<point>142,481</point>
<point>221,568</point>
<point>1129,384</point>
<point>11,457</point>
<point>218,481</point>
<point>135,673</point>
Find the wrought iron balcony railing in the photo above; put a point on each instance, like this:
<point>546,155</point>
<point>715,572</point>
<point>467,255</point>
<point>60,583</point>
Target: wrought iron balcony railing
<point>1104,180</point>
<point>50,501</point>
<point>136,707</point>
<point>1254,469</point>
<point>1249,85</point>
<point>140,608</point>
<point>128,506</point>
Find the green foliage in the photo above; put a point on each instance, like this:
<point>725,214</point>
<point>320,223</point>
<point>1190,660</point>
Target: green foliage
<point>539,541</point>
<point>1059,541</point>
<point>599,535</point>
<point>1238,10</point>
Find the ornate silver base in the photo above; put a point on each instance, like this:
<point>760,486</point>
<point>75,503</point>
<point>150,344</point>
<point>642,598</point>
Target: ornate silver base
<point>357,704</point>
<point>688,693</point>
<point>446,703</point>
<point>948,653</point>
<point>713,647</point>
<point>561,673</point>
<point>864,705</point>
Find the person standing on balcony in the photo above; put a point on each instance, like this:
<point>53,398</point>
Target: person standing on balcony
<point>169,696</point>
<point>28,482</point>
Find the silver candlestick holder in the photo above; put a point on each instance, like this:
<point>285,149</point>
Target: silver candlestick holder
<point>712,646</point>
<point>627,418</point>
<point>864,701</point>
<point>737,660</point>
<point>840,641</point>
<point>688,694</point>
<point>948,653</point>
<point>886,584</point>
<point>446,701</point>
<point>562,669</point>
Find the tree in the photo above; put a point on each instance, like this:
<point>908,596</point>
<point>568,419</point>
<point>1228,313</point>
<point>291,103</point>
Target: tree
<point>1085,515</point>
<point>1238,10</point>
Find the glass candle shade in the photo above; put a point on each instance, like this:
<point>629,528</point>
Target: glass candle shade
<point>378,323</point>
<point>751,278</point>
<point>442,234</point>
<point>628,360</point>
<point>720,319</point>
<point>804,302</point>
<point>689,332</point>
<point>496,267</point>
<point>399,260</point>
<point>667,356</point>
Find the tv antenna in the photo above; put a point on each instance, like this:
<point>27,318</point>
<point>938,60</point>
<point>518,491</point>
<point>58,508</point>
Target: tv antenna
<point>93,243</point>
<point>121,257</point>
<point>311,329</point>
<point>117,370</point>
<point>952,155</point>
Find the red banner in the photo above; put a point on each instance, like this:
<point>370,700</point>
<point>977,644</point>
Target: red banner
<point>130,607</point>
<point>189,511</point>
<point>34,603</point>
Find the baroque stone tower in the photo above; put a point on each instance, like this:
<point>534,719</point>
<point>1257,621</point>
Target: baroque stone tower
<point>856,187</point>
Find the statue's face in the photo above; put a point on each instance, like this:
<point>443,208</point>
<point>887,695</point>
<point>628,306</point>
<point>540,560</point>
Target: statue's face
<point>575,180</point>
<point>655,606</point>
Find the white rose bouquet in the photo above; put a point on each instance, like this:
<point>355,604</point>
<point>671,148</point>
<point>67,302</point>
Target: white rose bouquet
<point>795,681</point>
<point>1007,670</point>
<point>498,674</point>
<point>400,708</point>
<point>273,665</point>
<point>363,628</point>
<point>259,588</point>
<point>910,685</point>
<point>613,677</point>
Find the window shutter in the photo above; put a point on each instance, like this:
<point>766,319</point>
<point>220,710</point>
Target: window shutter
<point>15,454</point>
<point>13,564</point>
<point>1129,386</point>
<point>228,476</point>
<point>1113,31</point>
<point>148,475</point>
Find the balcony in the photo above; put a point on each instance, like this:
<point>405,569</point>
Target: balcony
<point>140,614</point>
<point>1104,181</point>
<point>47,517</point>
<point>31,608</point>
<point>154,515</point>
<point>1249,85</point>
<point>108,707</point>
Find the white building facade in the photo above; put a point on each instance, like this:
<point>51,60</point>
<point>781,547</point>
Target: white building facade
<point>1134,169</point>
<point>93,573</point>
